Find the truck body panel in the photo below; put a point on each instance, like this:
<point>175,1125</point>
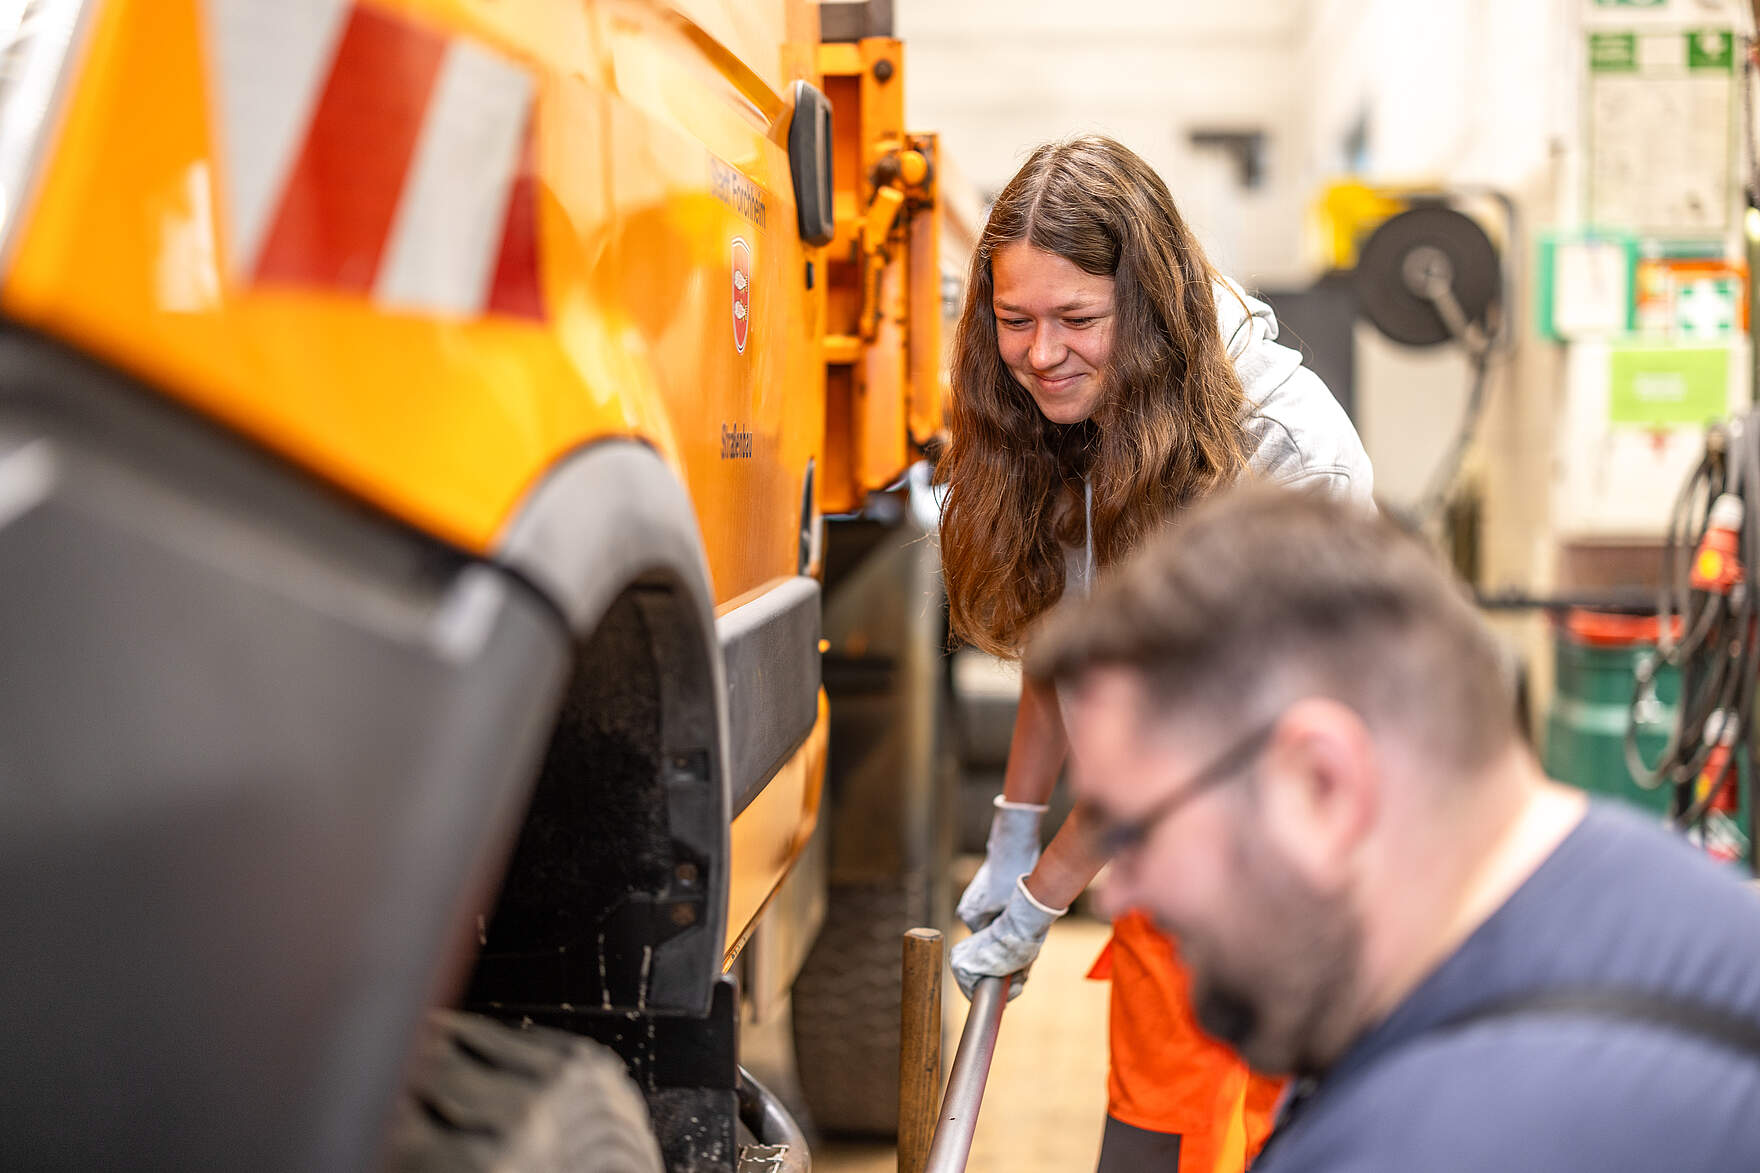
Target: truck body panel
<point>639,158</point>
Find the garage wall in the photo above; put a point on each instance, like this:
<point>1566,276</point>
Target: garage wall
<point>1465,90</point>
<point>997,78</point>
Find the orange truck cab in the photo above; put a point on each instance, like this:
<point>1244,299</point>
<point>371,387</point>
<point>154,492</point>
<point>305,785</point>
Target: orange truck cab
<point>417,421</point>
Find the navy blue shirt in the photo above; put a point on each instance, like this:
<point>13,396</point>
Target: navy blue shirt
<point>1619,904</point>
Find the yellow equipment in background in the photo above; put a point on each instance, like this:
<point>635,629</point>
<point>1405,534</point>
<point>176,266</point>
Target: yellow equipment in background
<point>1343,216</point>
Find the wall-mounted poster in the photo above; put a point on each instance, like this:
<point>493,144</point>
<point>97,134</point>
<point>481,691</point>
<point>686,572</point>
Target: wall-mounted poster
<point>1661,131</point>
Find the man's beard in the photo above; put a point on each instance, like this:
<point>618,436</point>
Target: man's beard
<point>1226,1015</point>
<point>1279,1001</point>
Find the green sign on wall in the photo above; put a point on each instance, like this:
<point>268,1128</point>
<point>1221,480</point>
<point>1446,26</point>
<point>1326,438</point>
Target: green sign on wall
<point>1668,386</point>
<point>1613,52</point>
<point>1711,50</point>
<point>1704,49</point>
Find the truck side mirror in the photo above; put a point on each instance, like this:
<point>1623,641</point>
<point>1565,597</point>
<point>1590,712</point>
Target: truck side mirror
<point>809,158</point>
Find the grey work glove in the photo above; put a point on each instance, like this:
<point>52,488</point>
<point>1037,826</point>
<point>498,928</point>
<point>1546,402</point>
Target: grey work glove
<point>1009,853</point>
<point>1007,945</point>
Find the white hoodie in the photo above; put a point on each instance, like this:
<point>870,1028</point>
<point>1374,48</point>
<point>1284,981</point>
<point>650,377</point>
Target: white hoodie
<point>1297,434</point>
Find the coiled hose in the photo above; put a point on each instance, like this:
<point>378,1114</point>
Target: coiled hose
<point>1709,636</point>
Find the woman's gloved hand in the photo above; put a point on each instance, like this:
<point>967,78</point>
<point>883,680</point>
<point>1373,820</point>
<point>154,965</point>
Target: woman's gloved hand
<point>1007,945</point>
<point>1009,853</point>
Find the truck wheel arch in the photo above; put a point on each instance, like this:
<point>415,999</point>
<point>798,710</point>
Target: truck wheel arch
<point>608,515</point>
<point>610,538</point>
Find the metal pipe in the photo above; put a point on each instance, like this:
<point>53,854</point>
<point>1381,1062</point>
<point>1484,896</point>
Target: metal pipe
<point>965,1085</point>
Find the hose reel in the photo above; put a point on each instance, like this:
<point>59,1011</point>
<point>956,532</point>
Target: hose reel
<point>1431,275</point>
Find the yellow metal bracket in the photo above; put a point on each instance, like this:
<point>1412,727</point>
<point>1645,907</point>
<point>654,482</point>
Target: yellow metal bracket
<point>882,214</point>
<point>883,345</point>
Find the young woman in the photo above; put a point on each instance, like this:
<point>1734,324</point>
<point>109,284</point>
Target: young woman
<point>1105,377</point>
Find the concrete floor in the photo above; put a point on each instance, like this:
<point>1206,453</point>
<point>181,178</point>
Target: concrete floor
<point>1046,1098</point>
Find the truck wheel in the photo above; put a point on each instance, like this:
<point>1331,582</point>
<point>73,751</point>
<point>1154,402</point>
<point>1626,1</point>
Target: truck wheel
<point>487,1098</point>
<point>891,781</point>
<point>846,1005</point>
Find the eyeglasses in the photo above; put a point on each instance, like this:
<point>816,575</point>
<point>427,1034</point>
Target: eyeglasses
<point>1111,838</point>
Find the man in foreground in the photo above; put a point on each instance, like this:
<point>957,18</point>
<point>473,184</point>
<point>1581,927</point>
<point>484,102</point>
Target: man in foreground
<point>1297,740</point>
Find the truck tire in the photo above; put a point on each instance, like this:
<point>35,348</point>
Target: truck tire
<point>488,1098</point>
<point>846,1009</point>
<point>891,781</point>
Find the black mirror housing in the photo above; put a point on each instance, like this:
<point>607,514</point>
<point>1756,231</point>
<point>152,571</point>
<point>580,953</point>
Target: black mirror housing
<point>809,159</point>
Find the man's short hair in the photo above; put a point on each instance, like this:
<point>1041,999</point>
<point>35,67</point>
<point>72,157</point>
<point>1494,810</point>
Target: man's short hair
<point>1261,596</point>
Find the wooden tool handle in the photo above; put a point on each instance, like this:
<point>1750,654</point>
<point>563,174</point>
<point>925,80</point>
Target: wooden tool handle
<point>919,1048</point>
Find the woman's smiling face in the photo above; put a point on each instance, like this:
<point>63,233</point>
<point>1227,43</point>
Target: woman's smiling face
<point>1053,328</point>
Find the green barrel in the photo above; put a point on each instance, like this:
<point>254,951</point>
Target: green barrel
<point>1596,657</point>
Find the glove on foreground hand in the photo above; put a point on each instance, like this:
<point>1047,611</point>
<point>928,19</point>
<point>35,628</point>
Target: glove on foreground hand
<point>1007,945</point>
<point>1009,853</point>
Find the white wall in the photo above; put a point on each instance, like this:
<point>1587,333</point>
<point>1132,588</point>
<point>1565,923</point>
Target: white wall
<point>997,78</point>
<point>1452,90</point>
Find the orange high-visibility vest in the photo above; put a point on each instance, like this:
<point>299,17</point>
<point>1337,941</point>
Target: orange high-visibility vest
<point>1166,1074</point>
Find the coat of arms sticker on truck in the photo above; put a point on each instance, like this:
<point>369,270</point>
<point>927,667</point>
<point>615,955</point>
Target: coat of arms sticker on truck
<point>742,292</point>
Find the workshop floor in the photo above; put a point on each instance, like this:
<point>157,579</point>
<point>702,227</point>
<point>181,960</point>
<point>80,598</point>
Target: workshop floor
<point>1046,1099</point>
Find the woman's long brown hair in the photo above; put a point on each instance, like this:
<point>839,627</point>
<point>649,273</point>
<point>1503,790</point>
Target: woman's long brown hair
<point>1167,429</point>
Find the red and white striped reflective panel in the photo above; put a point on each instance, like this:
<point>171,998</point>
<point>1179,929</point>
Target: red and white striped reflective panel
<point>366,153</point>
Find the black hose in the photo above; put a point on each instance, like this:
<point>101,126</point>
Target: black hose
<point>1630,600</point>
<point>1717,652</point>
<point>1443,478</point>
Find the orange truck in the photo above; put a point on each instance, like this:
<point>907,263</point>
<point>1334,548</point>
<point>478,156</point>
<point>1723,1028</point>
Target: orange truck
<point>417,424</point>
